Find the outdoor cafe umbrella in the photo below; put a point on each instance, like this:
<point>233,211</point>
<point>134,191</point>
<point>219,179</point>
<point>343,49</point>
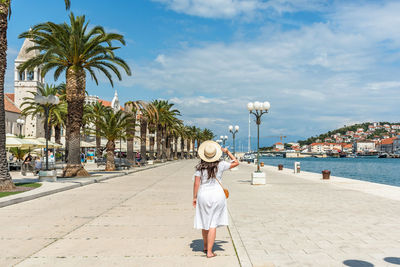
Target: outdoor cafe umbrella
<point>21,143</point>
<point>51,144</point>
<point>87,144</point>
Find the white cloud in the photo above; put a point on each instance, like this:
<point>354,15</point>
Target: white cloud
<point>379,86</point>
<point>378,21</point>
<point>160,59</point>
<point>316,77</point>
<point>233,8</point>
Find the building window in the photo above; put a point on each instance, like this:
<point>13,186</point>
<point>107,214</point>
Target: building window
<point>30,75</point>
<point>22,76</point>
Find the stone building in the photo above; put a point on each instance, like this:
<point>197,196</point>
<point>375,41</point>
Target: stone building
<point>24,83</point>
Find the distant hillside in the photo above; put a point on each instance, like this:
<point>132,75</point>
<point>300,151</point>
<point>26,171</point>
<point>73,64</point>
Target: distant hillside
<point>343,131</point>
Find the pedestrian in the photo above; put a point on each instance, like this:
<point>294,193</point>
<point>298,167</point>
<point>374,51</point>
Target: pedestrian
<point>209,198</point>
<point>38,165</point>
<point>138,158</point>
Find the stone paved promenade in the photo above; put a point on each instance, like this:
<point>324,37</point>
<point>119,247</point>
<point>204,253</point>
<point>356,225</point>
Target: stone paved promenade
<point>301,220</point>
<point>142,219</point>
<point>146,218</point>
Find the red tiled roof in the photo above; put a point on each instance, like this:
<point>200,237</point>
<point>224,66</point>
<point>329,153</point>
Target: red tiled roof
<point>9,105</point>
<point>388,141</point>
<point>279,143</point>
<point>11,96</point>
<point>107,103</point>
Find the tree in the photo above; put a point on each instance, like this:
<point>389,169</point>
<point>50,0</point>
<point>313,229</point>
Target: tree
<point>193,135</point>
<point>95,111</point>
<point>206,134</point>
<point>112,126</point>
<point>76,50</point>
<point>188,140</point>
<point>140,108</point>
<point>176,133</point>
<point>166,117</point>
<point>57,113</point>
<point>172,136</point>
<point>5,12</point>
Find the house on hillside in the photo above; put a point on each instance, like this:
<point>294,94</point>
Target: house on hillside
<point>396,145</point>
<point>279,146</point>
<point>347,148</point>
<point>387,145</point>
<point>324,147</point>
<point>364,146</point>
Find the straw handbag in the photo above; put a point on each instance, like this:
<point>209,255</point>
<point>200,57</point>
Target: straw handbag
<point>225,190</point>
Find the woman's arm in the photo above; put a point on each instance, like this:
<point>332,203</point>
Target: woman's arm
<point>235,162</point>
<point>196,186</point>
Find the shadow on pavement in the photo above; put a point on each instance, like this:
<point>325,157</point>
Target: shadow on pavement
<point>392,260</point>
<point>357,263</point>
<point>197,245</point>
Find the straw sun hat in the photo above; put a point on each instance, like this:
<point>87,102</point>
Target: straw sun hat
<point>210,151</point>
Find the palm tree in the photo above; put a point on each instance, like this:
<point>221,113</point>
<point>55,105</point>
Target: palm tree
<point>76,50</point>
<point>166,117</point>
<point>5,12</point>
<point>188,140</point>
<point>112,126</point>
<point>193,134</point>
<point>143,109</point>
<point>94,113</point>
<point>175,132</point>
<point>182,130</point>
<point>57,112</point>
<point>207,134</point>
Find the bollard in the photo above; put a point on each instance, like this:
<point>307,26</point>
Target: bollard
<point>261,164</point>
<point>280,167</point>
<point>326,174</point>
<point>296,167</point>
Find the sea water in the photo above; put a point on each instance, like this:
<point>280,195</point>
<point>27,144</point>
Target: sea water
<point>372,169</point>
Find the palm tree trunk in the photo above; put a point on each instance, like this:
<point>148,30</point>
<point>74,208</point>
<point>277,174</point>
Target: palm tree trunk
<point>66,140</point>
<point>6,182</point>
<point>182,148</point>
<point>130,155</point>
<point>159,137</point>
<point>143,134</point>
<point>176,148</point>
<point>152,145</point>
<point>110,163</point>
<point>193,151</point>
<point>164,144</point>
<point>188,147</point>
<point>168,146</point>
<point>98,143</point>
<point>57,134</point>
<point>76,82</point>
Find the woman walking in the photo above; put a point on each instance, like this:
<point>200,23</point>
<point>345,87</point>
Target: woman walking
<point>208,195</point>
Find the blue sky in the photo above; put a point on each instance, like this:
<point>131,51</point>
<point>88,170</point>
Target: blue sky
<point>321,64</point>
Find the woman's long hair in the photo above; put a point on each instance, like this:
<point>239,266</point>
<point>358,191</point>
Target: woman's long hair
<point>211,167</point>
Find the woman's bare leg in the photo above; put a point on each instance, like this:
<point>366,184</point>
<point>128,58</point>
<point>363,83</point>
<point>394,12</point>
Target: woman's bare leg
<point>205,233</point>
<point>212,232</point>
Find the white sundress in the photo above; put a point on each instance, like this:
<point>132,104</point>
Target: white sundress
<point>211,210</point>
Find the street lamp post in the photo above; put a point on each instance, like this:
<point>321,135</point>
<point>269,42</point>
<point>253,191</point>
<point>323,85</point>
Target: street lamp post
<point>234,131</point>
<point>258,109</point>
<point>47,102</point>
<point>20,123</point>
<point>223,139</point>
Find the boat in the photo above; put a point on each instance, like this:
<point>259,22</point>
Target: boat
<point>383,155</point>
<point>248,157</point>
